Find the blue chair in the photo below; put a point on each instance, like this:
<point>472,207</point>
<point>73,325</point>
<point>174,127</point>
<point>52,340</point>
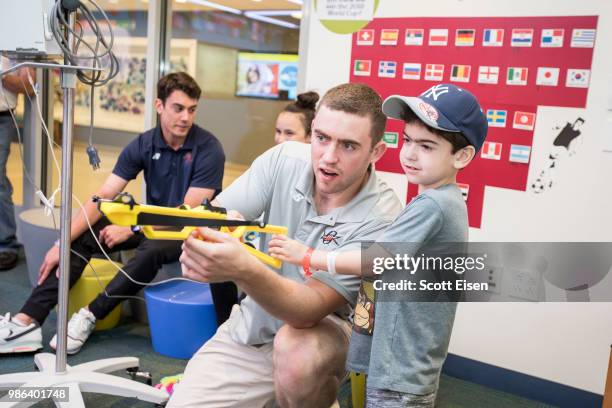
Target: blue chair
<point>181,316</point>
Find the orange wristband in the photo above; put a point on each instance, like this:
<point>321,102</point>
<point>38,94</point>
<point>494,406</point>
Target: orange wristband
<point>306,262</point>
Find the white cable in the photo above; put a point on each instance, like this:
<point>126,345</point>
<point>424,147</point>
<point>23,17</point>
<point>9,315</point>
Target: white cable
<point>40,116</point>
<point>113,262</point>
<point>50,203</point>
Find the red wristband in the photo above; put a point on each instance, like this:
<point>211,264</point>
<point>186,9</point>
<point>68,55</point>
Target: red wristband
<point>306,262</point>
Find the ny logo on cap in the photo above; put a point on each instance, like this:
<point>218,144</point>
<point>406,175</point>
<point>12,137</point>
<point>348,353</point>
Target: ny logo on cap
<point>435,91</point>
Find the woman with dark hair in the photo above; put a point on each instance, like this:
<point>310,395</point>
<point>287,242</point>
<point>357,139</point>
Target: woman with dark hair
<point>294,122</point>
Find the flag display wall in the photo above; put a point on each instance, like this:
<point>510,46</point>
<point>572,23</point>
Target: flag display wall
<point>512,65</point>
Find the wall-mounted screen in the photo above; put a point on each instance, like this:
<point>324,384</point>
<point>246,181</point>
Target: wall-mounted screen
<point>271,76</point>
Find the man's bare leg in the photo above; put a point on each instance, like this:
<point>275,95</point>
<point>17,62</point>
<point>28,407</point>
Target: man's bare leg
<point>309,364</point>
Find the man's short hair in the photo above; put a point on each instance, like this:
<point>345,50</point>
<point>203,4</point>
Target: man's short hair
<point>360,100</point>
<point>178,81</point>
<point>456,139</point>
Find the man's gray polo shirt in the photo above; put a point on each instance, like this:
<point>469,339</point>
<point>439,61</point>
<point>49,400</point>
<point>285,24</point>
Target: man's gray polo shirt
<point>280,182</point>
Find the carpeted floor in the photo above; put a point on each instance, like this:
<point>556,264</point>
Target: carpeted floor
<point>131,338</point>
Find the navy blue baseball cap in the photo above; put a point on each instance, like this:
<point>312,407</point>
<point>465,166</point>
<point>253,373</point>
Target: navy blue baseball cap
<point>444,107</point>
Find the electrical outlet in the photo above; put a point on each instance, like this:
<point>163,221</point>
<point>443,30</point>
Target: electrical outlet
<point>524,284</point>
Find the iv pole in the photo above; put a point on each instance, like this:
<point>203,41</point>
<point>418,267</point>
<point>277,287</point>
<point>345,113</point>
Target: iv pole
<point>69,382</point>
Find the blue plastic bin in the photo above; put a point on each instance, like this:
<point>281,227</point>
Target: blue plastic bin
<point>181,316</point>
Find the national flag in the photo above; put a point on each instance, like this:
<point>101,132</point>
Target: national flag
<point>577,78</point>
<point>583,37</point>
<point>516,76</point>
<point>434,72</point>
<point>496,118</point>
<point>365,37</point>
<point>362,68</point>
<point>465,189</point>
<point>519,153</point>
<point>389,37</point>
<point>491,150</point>
<point>524,120</point>
<point>465,37</point>
<point>552,37</point>
<point>391,139</point>
<point>488,74</point>
<point>411,71</point>
<point>438,36</point>
<point>414,36</point>
<point>547,76</point>
<point>387,69</point>
<point>493,37</point>
<point>522,37</point>
<point>460,73</point>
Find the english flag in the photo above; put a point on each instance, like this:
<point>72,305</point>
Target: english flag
<point>524,120</point>
<point>491,150</point>
<point>488,74</point>
<point>365,37</point>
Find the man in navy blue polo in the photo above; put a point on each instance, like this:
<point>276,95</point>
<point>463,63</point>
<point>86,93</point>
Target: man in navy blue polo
<point>182,163</point>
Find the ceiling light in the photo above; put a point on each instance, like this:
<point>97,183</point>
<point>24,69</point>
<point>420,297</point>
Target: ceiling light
<point>262,15</point>
<point>216,6</point>
<point>298,2</point>
<point>297,15</point>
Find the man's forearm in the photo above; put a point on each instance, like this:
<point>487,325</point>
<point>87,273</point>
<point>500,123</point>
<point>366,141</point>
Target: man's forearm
<point>299,305</point>
<point>79,223</point>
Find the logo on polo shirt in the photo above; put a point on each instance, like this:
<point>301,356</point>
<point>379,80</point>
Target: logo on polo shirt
<point>187,158</point>
<point>329,237</point>
<point>156,156</point>
<point>297,197</point>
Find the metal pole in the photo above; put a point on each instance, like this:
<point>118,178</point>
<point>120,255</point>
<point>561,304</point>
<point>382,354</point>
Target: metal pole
<point>68,84</point>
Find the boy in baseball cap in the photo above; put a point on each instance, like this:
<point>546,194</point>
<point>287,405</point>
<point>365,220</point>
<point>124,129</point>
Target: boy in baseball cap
<point>402,345</point>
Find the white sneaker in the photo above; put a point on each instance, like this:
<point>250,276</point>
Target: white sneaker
<point>80,326</point>
<point>17,338</point>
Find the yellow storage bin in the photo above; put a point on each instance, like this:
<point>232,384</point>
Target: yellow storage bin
<point>358,389</point>
<point>87,288</point>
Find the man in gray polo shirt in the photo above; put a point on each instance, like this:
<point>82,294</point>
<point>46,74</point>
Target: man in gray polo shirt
<point>287,342</point>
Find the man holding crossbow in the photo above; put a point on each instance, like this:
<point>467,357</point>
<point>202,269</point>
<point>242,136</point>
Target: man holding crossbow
<point>182,164</point>
<point>287,342</point>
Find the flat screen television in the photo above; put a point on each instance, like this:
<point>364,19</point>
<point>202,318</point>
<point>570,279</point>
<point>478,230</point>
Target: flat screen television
<point>272,76</point>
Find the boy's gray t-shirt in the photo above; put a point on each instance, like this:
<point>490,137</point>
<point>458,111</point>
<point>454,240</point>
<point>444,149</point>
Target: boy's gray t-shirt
<point>402,345</point>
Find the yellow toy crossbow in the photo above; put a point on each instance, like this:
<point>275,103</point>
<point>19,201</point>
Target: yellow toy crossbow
<point>124,211</point>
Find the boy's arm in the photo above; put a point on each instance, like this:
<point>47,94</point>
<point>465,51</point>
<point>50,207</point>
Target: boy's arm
<point>290,250</point>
